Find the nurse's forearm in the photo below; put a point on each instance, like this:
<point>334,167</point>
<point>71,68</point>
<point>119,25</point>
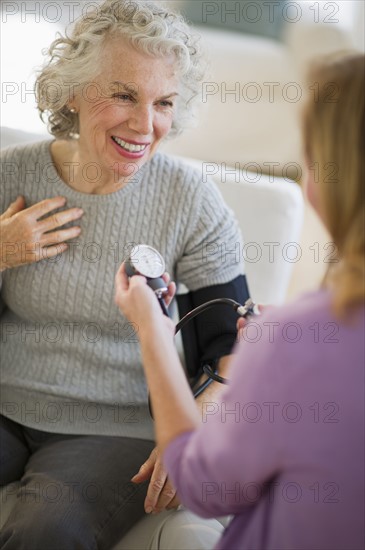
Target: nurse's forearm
<point>174,408</point>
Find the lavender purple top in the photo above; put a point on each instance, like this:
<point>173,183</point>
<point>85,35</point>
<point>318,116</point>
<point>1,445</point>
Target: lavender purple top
<point>283,449</point>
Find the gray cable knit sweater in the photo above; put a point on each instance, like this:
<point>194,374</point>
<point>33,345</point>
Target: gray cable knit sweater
<point>70,362</point>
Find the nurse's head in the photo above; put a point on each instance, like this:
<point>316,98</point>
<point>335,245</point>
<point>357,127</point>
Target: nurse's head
<point>334,134</point>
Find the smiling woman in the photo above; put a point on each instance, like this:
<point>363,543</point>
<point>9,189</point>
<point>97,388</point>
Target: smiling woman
<point>122,116</point>
<point>124,79</point>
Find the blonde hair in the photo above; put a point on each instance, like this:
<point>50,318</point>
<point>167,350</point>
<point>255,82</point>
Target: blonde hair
<point>74,59</point>
<point>334,134</point>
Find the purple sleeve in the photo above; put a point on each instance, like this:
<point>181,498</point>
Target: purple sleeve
<point>224,464</point>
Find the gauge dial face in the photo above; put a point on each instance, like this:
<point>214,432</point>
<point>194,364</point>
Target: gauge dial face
<point>147,261</point>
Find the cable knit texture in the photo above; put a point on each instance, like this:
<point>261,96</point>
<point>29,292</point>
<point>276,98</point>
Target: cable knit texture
<point>70,362</point>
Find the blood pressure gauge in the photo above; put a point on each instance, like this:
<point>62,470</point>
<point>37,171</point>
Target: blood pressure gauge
<point>147,261</point>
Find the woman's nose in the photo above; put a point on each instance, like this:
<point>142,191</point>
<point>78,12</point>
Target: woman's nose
<point>141,119</point>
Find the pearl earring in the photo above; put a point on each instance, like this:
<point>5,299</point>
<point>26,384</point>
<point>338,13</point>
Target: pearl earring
<point>72,110</point>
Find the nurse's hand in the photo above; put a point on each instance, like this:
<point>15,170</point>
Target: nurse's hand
<point>138,302</point>
<point>25,238</point>
<point>242,322</point>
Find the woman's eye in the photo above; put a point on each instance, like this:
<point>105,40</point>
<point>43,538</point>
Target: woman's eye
<point>122,97</point>
<point>165,103</point>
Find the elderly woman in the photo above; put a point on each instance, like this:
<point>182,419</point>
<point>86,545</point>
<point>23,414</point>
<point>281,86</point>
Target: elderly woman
<point>74,426</point>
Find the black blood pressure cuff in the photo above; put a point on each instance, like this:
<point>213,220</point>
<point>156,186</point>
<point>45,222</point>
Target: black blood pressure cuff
<point>212,334</point>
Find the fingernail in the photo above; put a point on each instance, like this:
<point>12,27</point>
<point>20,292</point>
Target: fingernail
<point>79,210</point>
<point>148,509</point>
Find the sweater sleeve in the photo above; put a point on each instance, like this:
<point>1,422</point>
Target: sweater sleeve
<point>229,461</point>
<point>212,253</point>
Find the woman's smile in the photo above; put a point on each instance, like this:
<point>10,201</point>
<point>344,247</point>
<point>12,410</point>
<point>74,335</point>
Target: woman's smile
<point>129,149</point>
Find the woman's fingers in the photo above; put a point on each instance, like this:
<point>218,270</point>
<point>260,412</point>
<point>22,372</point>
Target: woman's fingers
<point>53,221</point>
<point>171,286</point>
<point>128,295</point>
<point>14,208</point>
<point>160,492</point>
<point>60,218</point>
<point>28,238</point>
<point>121,280</point>
<point>121,277</point>
<point>171,293</point>
<point>166,498</point>
<point>241,323</point>
<point>166,277</point>
<point>155,487</point>
<point>120,285</point>
<point>46,206</point>
<point>60,236</point>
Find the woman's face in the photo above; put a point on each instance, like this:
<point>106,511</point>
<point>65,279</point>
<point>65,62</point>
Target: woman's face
<point>126,111</point>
